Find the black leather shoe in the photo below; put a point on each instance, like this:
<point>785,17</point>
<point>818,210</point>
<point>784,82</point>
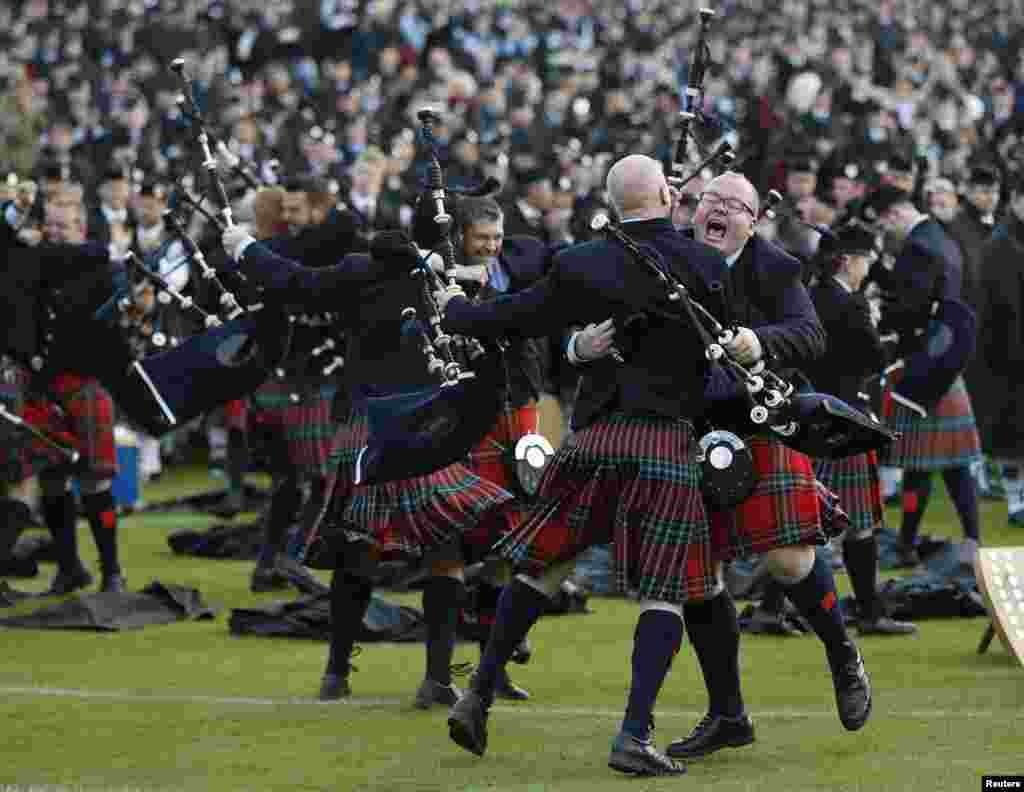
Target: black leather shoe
<point>885,625</point>
<point>430,693</point>
<point>68,583</point>
<point>641,758</point>
<point>467,723</point>
<point>115,582</point>
<point>713,733</point>
<point>334,687</point>
<point>267,578</point>
<point>853,691</point>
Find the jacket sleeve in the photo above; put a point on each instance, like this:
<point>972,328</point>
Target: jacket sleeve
<point>797,336</point>
<point>536,311</point>
<point>313,289</point>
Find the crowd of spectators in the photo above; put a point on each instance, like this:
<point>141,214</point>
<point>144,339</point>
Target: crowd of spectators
<point>540,96</point>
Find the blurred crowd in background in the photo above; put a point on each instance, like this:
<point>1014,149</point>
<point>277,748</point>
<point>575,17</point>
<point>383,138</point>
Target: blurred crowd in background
<point>541,96</point>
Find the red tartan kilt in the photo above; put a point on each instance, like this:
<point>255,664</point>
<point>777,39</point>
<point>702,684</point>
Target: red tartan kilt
<point>855,482</point>
<point>412,516</point>
<point>85,418</point>
<point>305,428</point>
<point>490,458</point>
<point>631,480</point>
<point>784,509</point>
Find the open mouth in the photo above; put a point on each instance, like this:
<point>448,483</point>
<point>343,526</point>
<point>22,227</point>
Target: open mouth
<point>715,231</point>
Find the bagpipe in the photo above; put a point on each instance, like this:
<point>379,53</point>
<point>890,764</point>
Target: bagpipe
<point>416,433</point>
<point>233,355</point>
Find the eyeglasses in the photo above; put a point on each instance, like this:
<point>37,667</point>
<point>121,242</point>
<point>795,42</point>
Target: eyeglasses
<point>713,200</point>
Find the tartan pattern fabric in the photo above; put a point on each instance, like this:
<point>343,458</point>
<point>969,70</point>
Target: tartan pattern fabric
<point>787,506</point>
<point>86,414</point>
<point>632,480</point>
<point>305,427</point>
<point>855,482</point>
<point>411,516</point>
<point>947,438</point>
<point>490,458</point>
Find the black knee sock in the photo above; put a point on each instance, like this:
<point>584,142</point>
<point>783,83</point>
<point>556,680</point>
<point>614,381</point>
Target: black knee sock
<point>963,490</point>
<point>815,598</point>
<point>917,489</point>
<point>298,540</point>
<point>655,642</point>
<point>715,634</point>
<point>238,460</point>
<point>519,608</point>
<point>861,559</point>
<point>350,597</point>
<point>283,506</point>
<point>61,516</point>
<point>774,598</point>
<point>442,597</point>
<point>101,512</point>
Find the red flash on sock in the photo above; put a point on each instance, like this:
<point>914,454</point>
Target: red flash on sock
<point>828,602</point>
<point>910,501</point>
<point>108,520</point>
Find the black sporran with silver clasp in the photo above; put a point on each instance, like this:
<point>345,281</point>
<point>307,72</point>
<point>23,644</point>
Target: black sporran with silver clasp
<point>727,469</point>
<point>532,453</point>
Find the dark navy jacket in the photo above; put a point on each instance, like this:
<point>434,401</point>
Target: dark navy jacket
<point>854,348</point>
<point>665,370</point>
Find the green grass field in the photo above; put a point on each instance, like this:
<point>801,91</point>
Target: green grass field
<point>187,707</point>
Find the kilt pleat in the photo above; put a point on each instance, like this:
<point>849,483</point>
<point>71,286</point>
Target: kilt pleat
<point>629,480</point>
<point>946,438</point>
<point>306,428</point>
<point>787,507</point>
<point>855,482</point>
<point>410,516</point>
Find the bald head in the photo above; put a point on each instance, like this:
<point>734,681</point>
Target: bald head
<point>637,188</point>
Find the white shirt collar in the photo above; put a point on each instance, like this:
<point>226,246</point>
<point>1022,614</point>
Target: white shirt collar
<point>843,284</point>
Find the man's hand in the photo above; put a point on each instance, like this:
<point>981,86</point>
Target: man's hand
<point>745,347</point>
<point>444,295</point>
<point>595,340</point>
<point>232,238</point>
<point>471,273</point>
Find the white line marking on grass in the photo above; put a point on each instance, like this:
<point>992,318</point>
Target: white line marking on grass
<point>365,703</point>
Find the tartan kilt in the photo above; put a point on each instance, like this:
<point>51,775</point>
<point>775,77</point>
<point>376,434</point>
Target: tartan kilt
<point>412,516</point>
<point>947,438</point>
<point>86,416</point>
<point>304,428</point>
<point>631,480</point>
<point>490,459</point>
<point>787,507</point>
<point>855,481</point>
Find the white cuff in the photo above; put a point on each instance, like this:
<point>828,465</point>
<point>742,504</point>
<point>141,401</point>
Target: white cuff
<point>570,350</point>
<point>241,246</point>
